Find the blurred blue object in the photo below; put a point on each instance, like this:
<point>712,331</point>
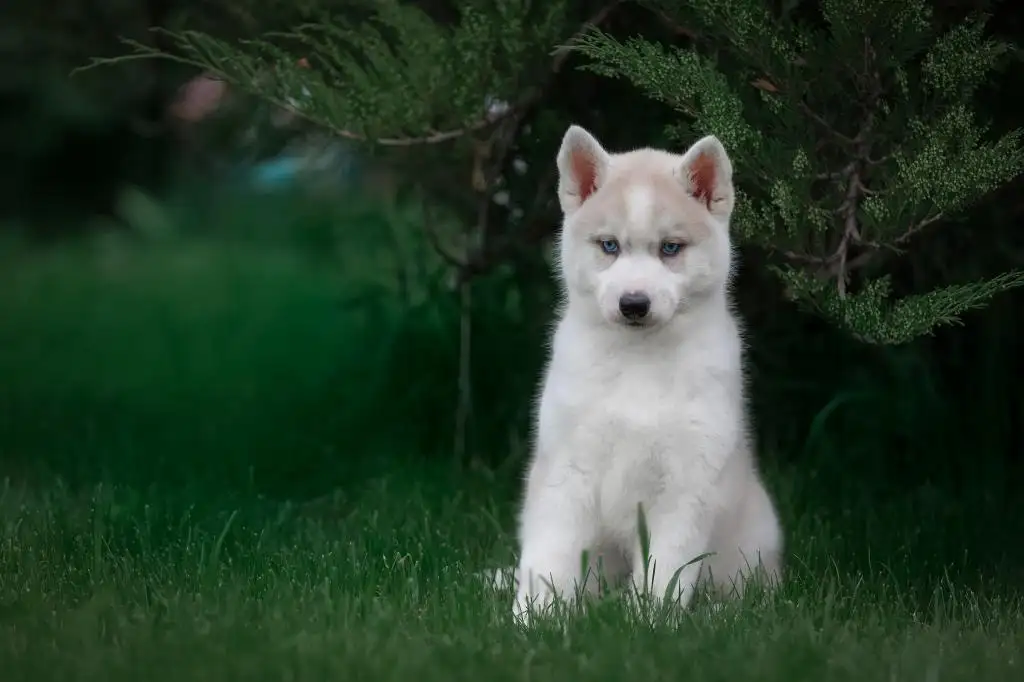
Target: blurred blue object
<point>314,163</point>
<point>281,171</point>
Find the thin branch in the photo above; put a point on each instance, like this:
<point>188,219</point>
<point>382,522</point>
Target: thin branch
<point>562,52</point>
<point>820,120</point>
<point>917,227</point>
<point>434,238</point>
<point>804,258</point>
<point>851,232</point>
<point>675,26</point>
<point>534,227</point>
<point>433,138</point>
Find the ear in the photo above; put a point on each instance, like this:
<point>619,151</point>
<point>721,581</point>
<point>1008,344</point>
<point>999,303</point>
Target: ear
<point>706,173</point>
<point>582,167</point>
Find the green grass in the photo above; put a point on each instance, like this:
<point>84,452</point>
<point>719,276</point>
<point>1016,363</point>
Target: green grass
<point>226,458</point>
<point>378,585</point>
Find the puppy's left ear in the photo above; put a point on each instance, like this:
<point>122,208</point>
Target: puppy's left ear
<point>706,174</point>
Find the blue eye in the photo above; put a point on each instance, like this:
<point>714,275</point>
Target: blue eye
<point>671,248</point>
<point>609,246</point>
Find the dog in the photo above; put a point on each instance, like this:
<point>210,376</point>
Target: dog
<point>642,419</point>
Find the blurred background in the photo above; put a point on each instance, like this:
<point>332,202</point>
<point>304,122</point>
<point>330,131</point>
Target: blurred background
<point>201,291</point>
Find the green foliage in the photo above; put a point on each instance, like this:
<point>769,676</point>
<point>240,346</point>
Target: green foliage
<point>421,92</point>
<point>850,135</point>
<point>847,140</point>
<point>873,317</point>
<point>398,76</point>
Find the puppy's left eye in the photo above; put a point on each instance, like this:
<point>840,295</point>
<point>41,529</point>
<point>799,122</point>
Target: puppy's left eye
<point>671,248</point>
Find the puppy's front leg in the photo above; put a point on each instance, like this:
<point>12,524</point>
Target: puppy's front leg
<point>679,534</point>
<point>556,529</point>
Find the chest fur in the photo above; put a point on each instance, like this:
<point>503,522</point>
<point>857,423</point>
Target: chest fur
<point>631,416</point>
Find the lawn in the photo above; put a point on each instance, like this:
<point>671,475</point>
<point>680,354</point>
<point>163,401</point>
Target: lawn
<point>379,585</point>
<point>204,478</point>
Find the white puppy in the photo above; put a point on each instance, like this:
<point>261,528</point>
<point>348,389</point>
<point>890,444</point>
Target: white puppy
<point>643,399</point>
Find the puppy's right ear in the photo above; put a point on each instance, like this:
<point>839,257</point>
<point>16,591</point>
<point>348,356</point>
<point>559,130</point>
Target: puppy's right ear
<point>582,167</point>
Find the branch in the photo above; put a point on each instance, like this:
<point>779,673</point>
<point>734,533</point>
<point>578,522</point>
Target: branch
<point>820,120</point>
<point>855,188</point>
<point>433,138</point>
<point>434,238</point>
<point>562,52</point>
<point>559,56</point>
<point>768,83</point>
<point>490,155</point>
<point>851,232</point>
<point>534,227</point>
<point>838,263</point>
<point>675,26</point>
<point>917,227</point>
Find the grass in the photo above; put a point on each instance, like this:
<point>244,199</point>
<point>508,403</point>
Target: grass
<point>225,459</point>
<point>379,585</point>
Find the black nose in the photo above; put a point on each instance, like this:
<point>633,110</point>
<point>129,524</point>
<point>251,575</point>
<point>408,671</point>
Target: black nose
<point>634,305</point>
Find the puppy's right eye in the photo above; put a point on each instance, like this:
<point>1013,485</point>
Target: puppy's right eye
<point>609,246</point>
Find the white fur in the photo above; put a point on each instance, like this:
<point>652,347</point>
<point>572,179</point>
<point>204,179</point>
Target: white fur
<point>651,415</point>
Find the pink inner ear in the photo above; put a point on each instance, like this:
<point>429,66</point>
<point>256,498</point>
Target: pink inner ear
<point>585,171</point>
<point>702,178</point>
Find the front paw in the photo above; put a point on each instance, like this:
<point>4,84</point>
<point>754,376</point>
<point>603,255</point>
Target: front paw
<point>528,607</point>
<point>522,610</point>
<point>535,596</point>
